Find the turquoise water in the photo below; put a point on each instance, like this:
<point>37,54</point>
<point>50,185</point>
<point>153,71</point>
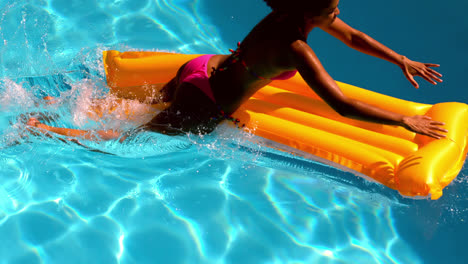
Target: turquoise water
<point>223,198</point>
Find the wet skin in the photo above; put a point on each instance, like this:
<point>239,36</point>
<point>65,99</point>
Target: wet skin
<point>275,45</point>
<point>278,44</point>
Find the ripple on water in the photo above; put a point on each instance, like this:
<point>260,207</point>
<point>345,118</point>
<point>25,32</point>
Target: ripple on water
<point>147,144</point>
<point>98,245</point>
<point>106,225</point>
<point>123,210</point>
<point>98,25</point>
<point>85,244</point>
<point>52,180</point>
<point>38,228</point>
<point>266,229</point>
<point>136,29</point>
<point>29,257</point>
<point>41,3</point>
<point>74,8</point>
<point>160,246</point>
<point>96,189</point>
<point>245,245</point>
<point>14,183</point>
<point>123,7</point>
<point>198,204</point>
<point>12,246</point>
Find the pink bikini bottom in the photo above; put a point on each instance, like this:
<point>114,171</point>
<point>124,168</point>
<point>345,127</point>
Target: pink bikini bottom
<point>195,72</point>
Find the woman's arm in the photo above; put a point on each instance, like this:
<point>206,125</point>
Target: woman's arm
<point>321,82</point>
<point>365,44</point>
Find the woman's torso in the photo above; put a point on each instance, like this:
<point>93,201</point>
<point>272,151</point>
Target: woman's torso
<point>266,53</point>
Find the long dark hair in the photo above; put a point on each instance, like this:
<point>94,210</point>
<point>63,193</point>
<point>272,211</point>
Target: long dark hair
<point>298,6</point>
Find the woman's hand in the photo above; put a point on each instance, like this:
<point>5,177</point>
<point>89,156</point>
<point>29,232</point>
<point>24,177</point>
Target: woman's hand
<point>424,125</point>
<point>413,68</point>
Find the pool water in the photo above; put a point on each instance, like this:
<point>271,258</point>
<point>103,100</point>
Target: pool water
<point>221,198</point>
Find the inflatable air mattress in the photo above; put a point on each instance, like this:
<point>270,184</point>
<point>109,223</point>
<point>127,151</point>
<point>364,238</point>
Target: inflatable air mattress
<point>290,113</point>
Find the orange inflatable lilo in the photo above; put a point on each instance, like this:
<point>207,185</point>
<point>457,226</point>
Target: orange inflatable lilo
<point>290,113</point>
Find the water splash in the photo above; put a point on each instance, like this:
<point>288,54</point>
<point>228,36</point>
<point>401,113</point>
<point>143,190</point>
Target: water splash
<point>14,97</point>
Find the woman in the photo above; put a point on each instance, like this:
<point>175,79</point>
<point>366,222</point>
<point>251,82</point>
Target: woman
<point>214,86</point>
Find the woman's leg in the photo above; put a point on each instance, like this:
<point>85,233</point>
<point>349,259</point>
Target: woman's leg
<point>166,94</point>
<point>190,111</point>
<point>85,134</point>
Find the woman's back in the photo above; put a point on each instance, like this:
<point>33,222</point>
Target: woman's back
<point>264,55</point>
